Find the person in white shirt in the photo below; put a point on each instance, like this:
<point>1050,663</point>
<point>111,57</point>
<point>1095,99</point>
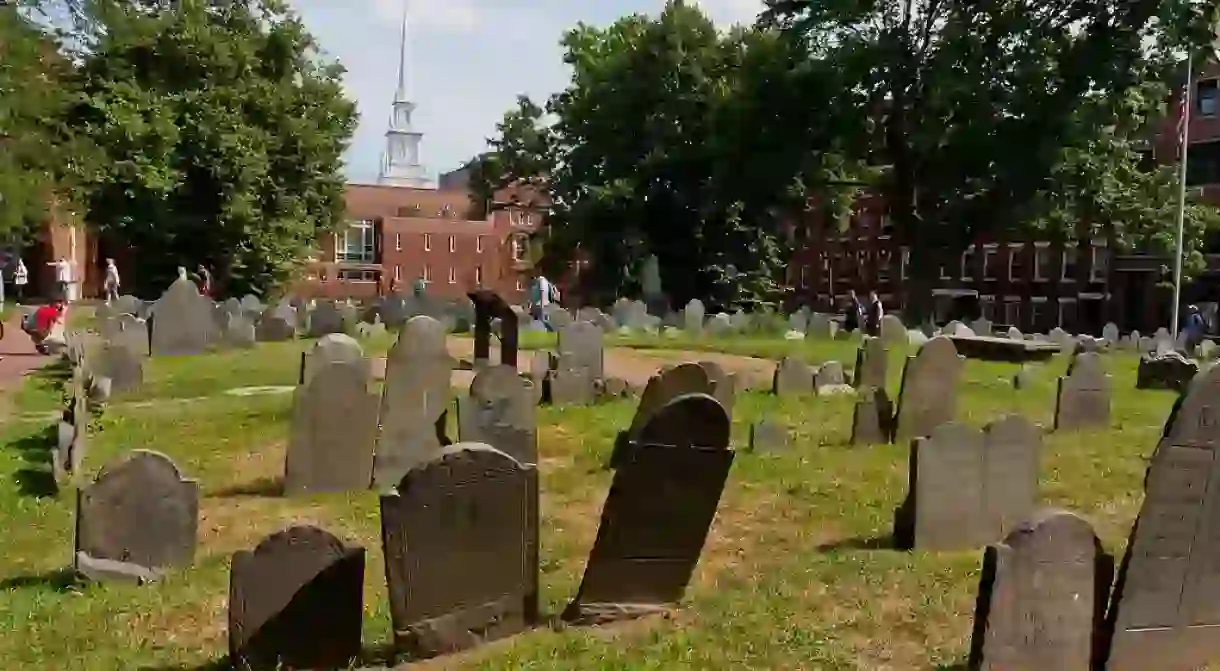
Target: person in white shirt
<point>21,277</point>
<point>542,294</point>
<point>111,283</point>
<point>63,276</point>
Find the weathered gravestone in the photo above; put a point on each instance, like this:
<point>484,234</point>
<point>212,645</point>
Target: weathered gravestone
<point>296,602</point>
<point>828,379</point>
<point>1083,400</point>
<point>332,348</point>
<point>928,396</point>
<point>183,324</point>
<point>568,385</point>
<point>871,364</point>
<point>724,384</point>
<point>501,411</point>
<point>277,323</point>
<point>670,383</point>
<point>793,377</point>
<point>580,346</point>
<point>873,418</point>
<point>131,333</point>
<point>72,437</point>
<point>129,305</point>
<point>1166,607</point>
<point>488,305</point>
<point>821,327</point>
<point>1042,597</point>
<point>893,332</point>
<point>460,537</point>
<point>239,331</point>
<point>969,488</point>
<point>692,317</point>
<point>1165,371</point>
<point>325,319</point>
<point>414,401</point>
<point>334,425</point>
<point>125,369</point>
<point>647,547</point>
<point>1110,332</point>
<point>138,517</point>
<point>768,436</point>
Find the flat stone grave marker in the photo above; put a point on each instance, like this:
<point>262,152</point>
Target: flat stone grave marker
<point>461,547</point>
<point>928,396</point>
<point>500,411</point>
<point>182,321</point>
<point>1083,400</point>
<point>332,348</point>
<point>873,417</point>
<point>969,488</point>
<point>871,364</point>
<point>334,426</point>
<point>793,377</point>
<point>647,547</point>
<point>137,518</point>
<point>767,436</point>
<point>1166,605</point>
<point>296,602</point>
<point>414,401</point>
<point>1042,597</point>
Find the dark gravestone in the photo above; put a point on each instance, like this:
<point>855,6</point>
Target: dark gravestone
<point>871,364</point>
<point>138,517</point>
<point>488,305</point>
<point>277,323</point>
<point>1083,400</point>
<point>690,420</point>
<point>334,426</point>
<point>1165,371</point>
<point>792,377</point>
<point>501,411</point>
<point>296,602</point>
<point>873,418</point>
<point>648,543</point>
<point>929,390</point>
<point>969,488</point>
<point>1042,597</point>
<point>1165,614</point>
<point>460,536</point>
<point>670,383</point>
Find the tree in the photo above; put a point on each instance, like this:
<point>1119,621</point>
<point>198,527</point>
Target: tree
<point>677,140</point>
<point>223,131</point>
<point>979,105</point>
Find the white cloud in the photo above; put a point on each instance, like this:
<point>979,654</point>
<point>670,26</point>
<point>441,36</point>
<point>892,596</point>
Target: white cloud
<point>728,12</point>
<point>442,15</point>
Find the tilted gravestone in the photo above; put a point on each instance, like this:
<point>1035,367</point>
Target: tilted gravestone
<point>72,435</point>
<point>1042,597</point>
<point>183,324</point>
<point>793,377</point>
<point>460,537</point>
<point>928,397</point>
<point>871,364</point>
<point>1083,400</point>
<point>1164,614</point>
<point>686,378</point>
<point>296,602</point>
<point>488,305</point>
<point>647,547</point>
<point>500,411</point>
<point>873,417</point>
<point>414,400</point>
<point>334,425</point>
<point>277,323</point>
<point>137,518</point>
<point>332,348</point>
<point>969,488</point>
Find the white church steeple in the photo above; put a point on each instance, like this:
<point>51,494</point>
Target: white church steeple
<point>401,165</point>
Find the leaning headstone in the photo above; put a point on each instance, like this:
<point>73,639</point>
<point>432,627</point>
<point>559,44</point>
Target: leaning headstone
<point>928,396</point>
<point>792,377</point>
<point>871,364</point>
<point>296,602</point>
<point>647,548</point>
<point>334,423</point>
<point>686,378</point>
<point>1083,400</point>
<point>969,488</point>
<point>893,332</point>
<point>1166,371</point>
<point>183,324</point>
<point>333,348</point>
<point>872,420</point>
<point>138,518</point>
<point>1015,334</point>
<point>1163,614</point>
<point>1042,597</point>
<point>724,384</point>
<point>500,411</point>
<point>413,401</point>
<point>461,546</point>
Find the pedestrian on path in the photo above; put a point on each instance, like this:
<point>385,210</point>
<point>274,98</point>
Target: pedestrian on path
<point>21,277</point>
<point>111,283</point>
<point>63,276</point>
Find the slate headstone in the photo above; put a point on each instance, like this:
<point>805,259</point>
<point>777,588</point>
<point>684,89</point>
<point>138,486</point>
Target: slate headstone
<point>325,319</point>
<point>334,424</point>
<point>183,324</point>
<point>500,411</point>
<point>580,346</point>
<point>1083,400</point>
<point>893,332</point>
<point>928,396</point>
<point>277,324</point>
<point>873,417</point>
<point>332,348</point>
<point>871,364</point>
<point>767,436</point>
<point>792,377</point>
<point>692,317</point>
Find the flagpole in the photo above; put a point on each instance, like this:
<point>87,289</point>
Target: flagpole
<point>1177,264</point>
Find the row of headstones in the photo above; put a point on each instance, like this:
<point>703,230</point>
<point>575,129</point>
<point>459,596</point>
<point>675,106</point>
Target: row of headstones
<point>1045,598</point>
<point>460,541</point>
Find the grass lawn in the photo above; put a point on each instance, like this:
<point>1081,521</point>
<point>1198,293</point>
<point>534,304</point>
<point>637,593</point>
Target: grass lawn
<point>797,573</point>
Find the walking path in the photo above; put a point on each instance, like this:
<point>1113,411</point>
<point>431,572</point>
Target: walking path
<point>17,354</point>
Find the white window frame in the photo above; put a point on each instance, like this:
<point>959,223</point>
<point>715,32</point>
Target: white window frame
<point>519,284</point>
<point>1041,249</point>
<point>967,265</point>
<point>1063,300</point>
<point>427,274</point>
<point>1013,253</point>
<point>397,273</point>
<point>1098,251</point>
<point>366,228</point>
<point>398,242</point>
<point>478,276</point>
<point>452,244</point>
<point>1063,265</point>
<point>427,242</point>
<point>804,276</point>
<point>989,254</point>
<point>478,244</point>
<point>452,275</point>
<point>518,249</point>
<point>906,261</point>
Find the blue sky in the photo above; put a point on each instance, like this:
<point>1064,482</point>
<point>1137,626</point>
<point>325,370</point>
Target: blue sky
<point>469,61</point>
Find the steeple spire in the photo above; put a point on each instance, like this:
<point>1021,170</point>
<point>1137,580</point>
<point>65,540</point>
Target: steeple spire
<point>403,92</point>
<point>401,165</point>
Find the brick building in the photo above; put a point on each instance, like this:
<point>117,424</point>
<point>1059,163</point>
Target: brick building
<point>1032,284</point>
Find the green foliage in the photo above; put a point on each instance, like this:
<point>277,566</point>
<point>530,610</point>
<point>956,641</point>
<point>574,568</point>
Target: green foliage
<point>223,131</point>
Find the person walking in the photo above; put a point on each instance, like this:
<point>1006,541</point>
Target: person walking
<point>1196,327</point>
<point>21,277</point>
<point>111,284</point>
<point>63,276</point>
<point>542,295</point>
<point>872,315</point>
<point>205,280</point>
<point>854,315</point>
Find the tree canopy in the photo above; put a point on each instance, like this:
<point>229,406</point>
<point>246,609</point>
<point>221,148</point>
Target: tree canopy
<point>222,129</point>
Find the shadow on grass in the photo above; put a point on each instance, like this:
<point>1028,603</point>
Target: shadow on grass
<point>860,543</point>
<point>269,487</point>
<point>36,479</point>
<point>60,580</point>
<point>960,666</point>
<point>371,659</point>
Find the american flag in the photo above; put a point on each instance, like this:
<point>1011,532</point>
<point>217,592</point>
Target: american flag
<point>1184,98</point>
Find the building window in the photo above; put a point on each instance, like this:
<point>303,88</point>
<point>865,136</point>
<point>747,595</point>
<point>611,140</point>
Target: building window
<point>1016,264</point>
<point>968,264</point>
<point>804,276</point>
<point>989,266</point>
<point>427,274</point>
<point>348,275</point>
<point>1205,97</point>
<point>883,265</point>
<point>478,276</point>
<point>518,248</point>
<point>398,242</point>
<point>397,273</point>
<point>427,242</point>
<point>987,307</point>
<point>408,211</point>
<point>1203,164</point>
<point>1068,273</point>
<point>452,275</point>
<point>1037,312</point>
<point>1067,312</point>
<point>358,243</point>
<point>452,244</point>
<point>518,284</point>
<point>447,211</point>
<point>906,261</point>
<point>1099,269</point>
<point>478,245</point>
<point>1042,263</point>
<point>1012,310</point>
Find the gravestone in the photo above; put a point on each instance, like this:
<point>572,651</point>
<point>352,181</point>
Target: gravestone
<point>821,327</point>
<point>1166,371</point>
<point>251,306</point>
<point>325,319</point>
<point>1110,332</point>
<point>460,537</point>
<point>182,321</point>
<point>799,321</point>
<point>127,305</point>
<point>137,518</point>
<point>928,396</point>
<point>1042,597</point>
<point>334,425</point>
<point>724,384</point>
<point>580,346</point>
<point>686,378</point>
<point>501,411</point>
<point>1060,337</point>
<point>296,602</point>
<point>277,324</point>
<point>1164,613</point>
<point>767,436</point>
<point>124,368</point>
<point>1083,400</point>
<point>332,348</point>
<point>827,376</point>
<point>893,332</point>
<point>871,364</point>
<point>981,326</point>
<point>567,386</point>
<point>647,547</point>
<point>969,488</point>
<point>873,417</point>
<point>692,317</point>
<point>131,333</point>
<point>792,377</point>
<point>72,436</point>
<point>413,401</point>
<point>239,331</point>
<point>1015,334</point>
<point>916,338</point>
<point>719,324</point>
<point>488,305</point>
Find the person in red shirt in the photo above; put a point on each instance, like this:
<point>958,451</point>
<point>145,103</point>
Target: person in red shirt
<point>43,320</point>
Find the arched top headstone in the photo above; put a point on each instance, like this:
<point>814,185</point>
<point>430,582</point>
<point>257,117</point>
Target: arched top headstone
<point>690,420</point>
<point>681,379</point>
